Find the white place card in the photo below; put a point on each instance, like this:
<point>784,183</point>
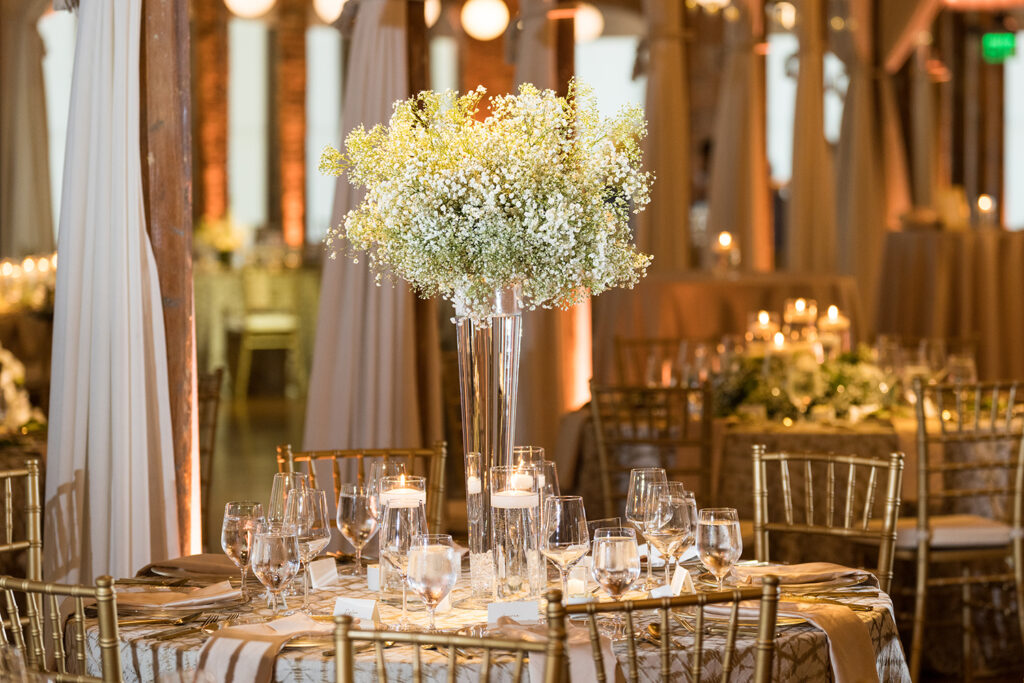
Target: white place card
<point>523,611</point>
<point>682,582</point>
<point>358,608</point>
<point>323,572</point>
<point>662,591</point>
<point>445,605</point>
<point>373,578</point>
<point>579,599</point>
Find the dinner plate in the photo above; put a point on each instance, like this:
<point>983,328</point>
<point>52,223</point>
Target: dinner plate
<point>175,573</point>
<point>708,580</point>
<point>162,611</point>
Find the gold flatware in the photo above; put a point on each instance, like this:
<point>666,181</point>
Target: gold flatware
<point>187,630</point>
<point>856,607</point>
<point>166,621</point>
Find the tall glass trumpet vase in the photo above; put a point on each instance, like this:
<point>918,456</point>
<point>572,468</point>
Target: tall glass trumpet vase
<point>489,381</point>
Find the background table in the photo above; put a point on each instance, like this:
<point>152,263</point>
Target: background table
<point>958,285</point>
<point>699,307</point>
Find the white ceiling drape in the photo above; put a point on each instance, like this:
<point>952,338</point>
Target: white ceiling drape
<point>739,199</point>
<point>110,493</point>
<point>26,217</point>
<point>663,229</point>
<point>810,237</point>
<point>365,389</point>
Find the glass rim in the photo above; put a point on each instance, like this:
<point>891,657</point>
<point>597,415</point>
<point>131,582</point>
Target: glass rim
<point>240,503</point>
<point>514,468</point>
<point>566,498</point>
<point>418,539</point>
<point>409,478</point>
<point>718,510</point>
<point>626,531</point>
<point>349,486</point>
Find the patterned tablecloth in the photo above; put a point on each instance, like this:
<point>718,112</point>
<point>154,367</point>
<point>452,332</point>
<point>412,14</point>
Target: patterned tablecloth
<point>801,650</point>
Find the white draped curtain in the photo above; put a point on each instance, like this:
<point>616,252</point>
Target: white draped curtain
<point>110,493</point>
<point>26,219</point>
<point>811,238</point>
<point>739,199</point>
<point>664,228</point>
<point>375,381</point>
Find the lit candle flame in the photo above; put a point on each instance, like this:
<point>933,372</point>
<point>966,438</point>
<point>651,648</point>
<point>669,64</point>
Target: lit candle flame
<point>6,270</point>
<point>401,482</point>
<point>833,313</point>
<point>801,305</point>
<point>985,203</point>
<point>725,239</point>
<point>762,317</point>
<point>28,265</point>
<point>780,340</point>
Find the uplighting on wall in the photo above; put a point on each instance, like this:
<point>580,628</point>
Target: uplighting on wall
<point>249,9</point>
<point>713,6</point>
<point>431,12</point>
<point>484,19</point>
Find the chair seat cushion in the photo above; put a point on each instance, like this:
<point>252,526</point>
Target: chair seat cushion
<point>955,531</point>
<point>271,322</point>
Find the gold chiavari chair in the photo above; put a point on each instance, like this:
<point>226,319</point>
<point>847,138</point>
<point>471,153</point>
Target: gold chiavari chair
<point>644,360</point>
<point>428,462</point>
<point>209,386</point>
<point>32,540</point>
<point>858,504</point>
<point>553,649</point>
<point>970,502</point>
<point>44,621</point>
<point>767,594</point>
<point>672,423</point>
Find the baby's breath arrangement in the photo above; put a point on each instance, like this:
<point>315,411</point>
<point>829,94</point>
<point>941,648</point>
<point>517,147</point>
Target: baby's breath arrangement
<point>536,195</point>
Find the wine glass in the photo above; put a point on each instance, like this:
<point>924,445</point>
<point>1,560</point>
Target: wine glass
<point>671,520</point>
<point>564,538</point>
<point>283,483</point>
<point>306,512</point>
<point>640,481</point>
<point>401,524</point>
<point>718,541</point>
<point>434,567</point>
<point>356,519</point>
<point>616,564</point>
<point>240,522</point>
<point>275,559</point>
<point>378,470</point>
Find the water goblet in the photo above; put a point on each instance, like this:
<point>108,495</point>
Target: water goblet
<point>403,520</point>
<point>306,512</point>
<point>616,564</point>
<point>379,469</point>
<point>356,519</point>
<point>719,543</point>
<point>283,483</point>
<point>275,559</point>
<point>640,481</point>
<point>241,519</point>
<point>564,538</point>
<point>434,568</point>
<point>670,522</point>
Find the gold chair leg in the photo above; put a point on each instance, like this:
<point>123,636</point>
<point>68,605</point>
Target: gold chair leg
<point>920,598</point>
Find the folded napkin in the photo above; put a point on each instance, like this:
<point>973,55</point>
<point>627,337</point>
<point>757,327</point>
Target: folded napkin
<point>248,652</point>
<point>203,597</point>
<point>205,563</point>
<point>581,654</point>
<point>808,572</point>
<point>851,652</point>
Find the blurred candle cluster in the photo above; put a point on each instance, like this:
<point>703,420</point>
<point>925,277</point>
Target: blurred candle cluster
<point>28,284</point>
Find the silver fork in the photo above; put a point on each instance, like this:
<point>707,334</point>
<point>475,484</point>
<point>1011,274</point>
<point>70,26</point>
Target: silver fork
<point>186,630</point>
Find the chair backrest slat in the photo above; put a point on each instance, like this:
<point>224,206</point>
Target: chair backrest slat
<point>30,538</point>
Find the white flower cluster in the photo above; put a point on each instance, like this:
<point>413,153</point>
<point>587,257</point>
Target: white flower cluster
<point>538,194</point>
<point>15,407</point>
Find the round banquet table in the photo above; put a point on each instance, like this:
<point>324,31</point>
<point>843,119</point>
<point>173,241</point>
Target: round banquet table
<point>700,307</point>
<point>801,650</point>
<point>958,285</point>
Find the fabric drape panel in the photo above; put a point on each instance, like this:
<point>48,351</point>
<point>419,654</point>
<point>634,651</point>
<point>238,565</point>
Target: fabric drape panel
<point>811,234</point>
<point>739,199</point>
<point>664,228</point>
<point>555,364</point>
<point>110,492</point>
<point>26,216</point>
<point>872,186</point>
<point>367,384</point>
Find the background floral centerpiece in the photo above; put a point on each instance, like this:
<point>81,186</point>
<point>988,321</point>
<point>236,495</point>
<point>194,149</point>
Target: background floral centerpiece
<point>17,415</point>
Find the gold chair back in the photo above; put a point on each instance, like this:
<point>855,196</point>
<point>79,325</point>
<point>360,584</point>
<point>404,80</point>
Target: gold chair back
<point>767,594</point>
<point>209,402</point>
<point>858,504</point>
<point>451,645</point>
<point>31,541</point>
<point>43,621</point>
<point>674,423</point>
<point>428,462</point>
<point>645,361</point>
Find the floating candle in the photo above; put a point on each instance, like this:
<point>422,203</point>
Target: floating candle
<point>515,499</point>
<point>473,485</point>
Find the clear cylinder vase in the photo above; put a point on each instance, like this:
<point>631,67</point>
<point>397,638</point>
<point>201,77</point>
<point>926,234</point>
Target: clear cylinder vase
<point>488,350</point>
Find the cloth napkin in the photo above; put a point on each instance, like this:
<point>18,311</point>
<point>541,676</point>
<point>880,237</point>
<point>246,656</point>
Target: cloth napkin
<point>203,597</point>
<point>581,657</point>
<point>247,653</point>
<point>808,572</point>
<point>206,563</point>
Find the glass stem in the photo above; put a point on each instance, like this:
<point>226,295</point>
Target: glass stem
<point>273,603</point>
<point>242,589</point>
<point>668,577</point>
<point>359,560</point>
<point>431,609</point>
<point>305,588</point>
<point>564,575</point>
<point>650,563</point>
<point>404,617</point>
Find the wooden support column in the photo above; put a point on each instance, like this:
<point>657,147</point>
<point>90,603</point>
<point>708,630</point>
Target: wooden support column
<point>167,186</point>
<point>565,53</point>
<point>417,51</point>
<point>210,129</point>
<point>290,100</point>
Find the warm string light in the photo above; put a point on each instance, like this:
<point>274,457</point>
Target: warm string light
<point>249,9</point>
<point>484,19</point>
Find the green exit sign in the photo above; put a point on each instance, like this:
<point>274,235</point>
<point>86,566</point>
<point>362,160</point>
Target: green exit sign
<point>997,47</point>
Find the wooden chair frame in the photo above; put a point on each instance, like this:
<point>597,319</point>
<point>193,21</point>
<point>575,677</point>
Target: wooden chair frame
<point>856,519</point>
<point>632,355</point>
<point>767,594</point>
<point>650,416</point>
<point>965,418</point>
<point>433,460</point>
<point>554,648</point>
<point>209,386</point>
<point>43,620</point>
<point>32,543</point>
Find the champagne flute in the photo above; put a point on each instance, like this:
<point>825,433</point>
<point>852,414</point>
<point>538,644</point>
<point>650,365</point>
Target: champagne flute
<point>564,538</point>
<point>283,483</point>
<point>401,524</point>
<point>306,512</point>
<point>669,524</point>
<point>616,564</point>
<point>434,567</point>
<point>718,541</point>
<point>240,522</point>
<point>640,481</point>
<point>275,559</point>
<point>356,519</point>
